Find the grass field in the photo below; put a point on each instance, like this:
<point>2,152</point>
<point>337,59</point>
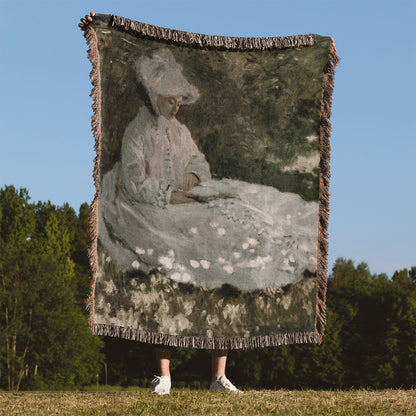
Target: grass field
<point>201,402</point>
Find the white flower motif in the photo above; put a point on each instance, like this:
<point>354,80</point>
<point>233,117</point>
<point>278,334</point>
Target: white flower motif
<point>236,255</point>
<point>228,268</point>
<point>245,246</point>
<point>166,262</point>
<point>194,263</point>
<point>136,264</point>
<point>139,250</point>
<point>260,260</point>
<point>186,277</point>
<point>221,231</point>
<point>252,241</point>
<point>176,276</point>
<point>110,287</point>
<point>205,264</point>
<point>108,259</point>
<point>194,230</point>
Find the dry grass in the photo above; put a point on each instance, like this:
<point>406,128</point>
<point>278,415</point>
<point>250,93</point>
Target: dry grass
<point>194,402</point>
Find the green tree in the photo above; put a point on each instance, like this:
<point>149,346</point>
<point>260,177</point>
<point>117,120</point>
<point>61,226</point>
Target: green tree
<point>45,339</point>
<point>378,317</point>
<point>401,336</point>
<point>79,255</point>
<point>17,224</point>
<point>320,366</point>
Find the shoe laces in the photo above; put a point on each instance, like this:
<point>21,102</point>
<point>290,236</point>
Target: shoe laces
<point>225,382</point>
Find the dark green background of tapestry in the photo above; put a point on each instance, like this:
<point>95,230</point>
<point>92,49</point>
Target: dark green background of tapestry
<point>256,109</point>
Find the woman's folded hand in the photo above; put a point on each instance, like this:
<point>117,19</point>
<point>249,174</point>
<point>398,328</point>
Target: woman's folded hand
<point>181,197</point>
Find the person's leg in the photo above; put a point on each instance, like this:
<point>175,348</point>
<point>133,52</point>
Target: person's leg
<point>162,383</point>
<point>218,363</point>
<point>219,381</point>
<point>163,360</point>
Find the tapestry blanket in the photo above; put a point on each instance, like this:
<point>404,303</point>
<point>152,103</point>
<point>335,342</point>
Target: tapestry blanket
<point>209,224</point>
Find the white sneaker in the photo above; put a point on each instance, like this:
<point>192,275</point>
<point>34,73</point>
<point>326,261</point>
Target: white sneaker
<point>161,385</point>
<point>223,385</point>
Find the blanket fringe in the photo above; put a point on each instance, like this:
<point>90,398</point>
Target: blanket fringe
<point>205,342</point>
<point>325,133</point>
<point>95,77</point>
<point>199,40</point>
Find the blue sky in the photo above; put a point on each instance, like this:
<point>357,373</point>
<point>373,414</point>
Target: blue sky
<point>46,145</point>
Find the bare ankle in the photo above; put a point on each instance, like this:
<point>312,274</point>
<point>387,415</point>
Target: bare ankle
<point>215,377</point>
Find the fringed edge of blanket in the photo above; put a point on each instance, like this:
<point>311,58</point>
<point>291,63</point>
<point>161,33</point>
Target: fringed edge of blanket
<point>95,77</point>
<point>325,133</point>
<point>228,343</point>
<point>199,40</point>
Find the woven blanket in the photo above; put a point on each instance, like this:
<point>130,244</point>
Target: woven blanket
<point>209,224</point>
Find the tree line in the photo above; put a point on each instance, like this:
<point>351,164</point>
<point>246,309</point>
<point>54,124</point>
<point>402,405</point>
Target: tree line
<point>45,342</point>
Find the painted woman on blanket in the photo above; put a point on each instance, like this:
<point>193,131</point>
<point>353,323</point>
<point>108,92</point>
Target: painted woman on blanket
<point>161,210</point>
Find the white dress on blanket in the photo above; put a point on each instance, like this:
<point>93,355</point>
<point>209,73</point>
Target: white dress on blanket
<point>247,235</point>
